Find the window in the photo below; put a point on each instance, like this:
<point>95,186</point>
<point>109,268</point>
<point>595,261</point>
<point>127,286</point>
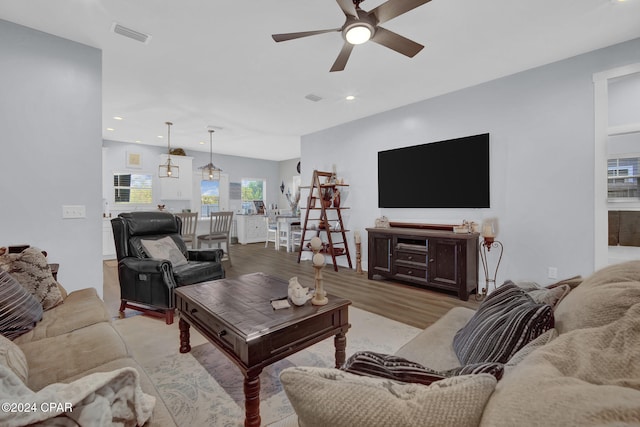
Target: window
<point>623,178</point>
<point>252,190</point>
<point>132,188</point>
<point>209,197</point>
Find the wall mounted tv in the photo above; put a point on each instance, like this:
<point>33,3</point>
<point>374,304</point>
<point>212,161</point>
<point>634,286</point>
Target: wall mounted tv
<point>444,174</point>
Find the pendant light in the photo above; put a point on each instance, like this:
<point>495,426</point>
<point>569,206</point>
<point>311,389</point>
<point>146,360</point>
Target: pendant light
<point>210,172</point>
<point>169,169</point>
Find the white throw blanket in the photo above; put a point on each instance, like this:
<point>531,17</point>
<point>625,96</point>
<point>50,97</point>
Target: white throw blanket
<point>100,399</point>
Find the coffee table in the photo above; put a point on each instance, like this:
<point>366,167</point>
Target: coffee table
<point>236,316</point>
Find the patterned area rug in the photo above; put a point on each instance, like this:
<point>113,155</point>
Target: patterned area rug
<point>203,387</point>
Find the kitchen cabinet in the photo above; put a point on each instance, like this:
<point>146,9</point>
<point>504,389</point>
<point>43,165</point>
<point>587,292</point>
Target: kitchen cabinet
<point>180,188</point>
<point>251,228</point>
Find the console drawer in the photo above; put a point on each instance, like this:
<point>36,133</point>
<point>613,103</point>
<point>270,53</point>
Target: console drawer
<point>411,257</point>
<point>411,271</point>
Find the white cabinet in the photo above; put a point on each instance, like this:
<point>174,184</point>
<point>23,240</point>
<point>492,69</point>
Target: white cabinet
<point>251,228</point>
<point>108,244</point>
<point>177,188</point>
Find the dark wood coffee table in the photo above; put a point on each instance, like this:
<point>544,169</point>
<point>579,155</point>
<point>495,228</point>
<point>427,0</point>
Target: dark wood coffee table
<point>236,316</point>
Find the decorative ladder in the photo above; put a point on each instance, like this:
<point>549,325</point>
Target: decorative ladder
<point>319,190</point>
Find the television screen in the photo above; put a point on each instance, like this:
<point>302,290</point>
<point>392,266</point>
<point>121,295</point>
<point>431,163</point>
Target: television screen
<point>445,174</point>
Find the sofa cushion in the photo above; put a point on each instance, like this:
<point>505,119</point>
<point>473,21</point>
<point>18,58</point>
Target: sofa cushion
<point>164,248</point>
<point>54,359</point>
<point>31,269</point>
<point>433,346</point>
<point>601,298</point>
<point>585,377</point>
<point>331,397</point>
<point>504,323</point>
<point>19,310</point>
<point>13,358</point>
<point>81,308</point>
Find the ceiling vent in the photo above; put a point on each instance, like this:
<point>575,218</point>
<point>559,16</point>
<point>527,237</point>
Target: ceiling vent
<point>314,98</point>
<point>132,34</point>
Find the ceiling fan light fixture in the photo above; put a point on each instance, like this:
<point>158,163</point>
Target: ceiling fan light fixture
<point>358,34</point>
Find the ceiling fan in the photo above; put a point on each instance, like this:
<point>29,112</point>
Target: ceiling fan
<point>361,26</point>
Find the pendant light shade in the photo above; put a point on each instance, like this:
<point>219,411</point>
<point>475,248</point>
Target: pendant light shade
<point>210,172</point>
<point>169,169</point>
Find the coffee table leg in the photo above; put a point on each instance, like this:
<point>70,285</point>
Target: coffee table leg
<point>252,399</point>
<point>340,342</point>
<point>185,347</point>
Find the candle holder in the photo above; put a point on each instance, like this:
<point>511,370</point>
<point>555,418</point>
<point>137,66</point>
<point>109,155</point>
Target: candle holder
<point>487,243</point>
<point>318,260</point>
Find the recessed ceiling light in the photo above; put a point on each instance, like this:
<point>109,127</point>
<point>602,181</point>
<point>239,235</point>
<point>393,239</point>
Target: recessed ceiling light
<point>137,140</point>
<point>350,97</point>
<point>201,143</point>
<point>110,129</point>
<point>160,136</point>
<point>117,118</point>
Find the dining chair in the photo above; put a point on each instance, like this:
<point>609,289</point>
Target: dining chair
<point>189,225</point>
<point>219,232</point>
<point>272,228</point>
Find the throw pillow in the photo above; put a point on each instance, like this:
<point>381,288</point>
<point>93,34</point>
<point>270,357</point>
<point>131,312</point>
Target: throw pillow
<point>164,248</point>
<point>19,310</point>
<point>31,269</point>
<point>13,358</point>
<point>331,397</point>
<point>377,365</point>
<point>396,368</point>
<point>505,322</point>
<point>544,295</point>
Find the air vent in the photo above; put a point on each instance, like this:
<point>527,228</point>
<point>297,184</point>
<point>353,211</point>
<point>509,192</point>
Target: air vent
<point>314,98</point>
<point>132,34</point>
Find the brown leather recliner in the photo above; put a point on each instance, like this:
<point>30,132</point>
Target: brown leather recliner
<point>147,284</point>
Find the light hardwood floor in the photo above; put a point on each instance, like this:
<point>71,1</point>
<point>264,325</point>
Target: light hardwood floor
<point>402,302</point>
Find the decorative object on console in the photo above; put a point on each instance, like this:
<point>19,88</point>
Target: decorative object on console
<point>488,242</point>
<point>210,171</point>
<point>169,170</point>
<point>319,297</point>
<point>382,222</point>
<point>357,238</point>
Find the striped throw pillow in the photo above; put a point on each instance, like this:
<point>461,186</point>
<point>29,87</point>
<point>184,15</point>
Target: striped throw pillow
<point>371,364</point>
<point>19,310</point>
<point>504,323</point>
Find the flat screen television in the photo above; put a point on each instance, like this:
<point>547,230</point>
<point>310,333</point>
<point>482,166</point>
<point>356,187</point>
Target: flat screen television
<point>444,174</point>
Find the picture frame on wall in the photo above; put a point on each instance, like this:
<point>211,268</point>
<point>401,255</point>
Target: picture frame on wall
<point>133,160</point>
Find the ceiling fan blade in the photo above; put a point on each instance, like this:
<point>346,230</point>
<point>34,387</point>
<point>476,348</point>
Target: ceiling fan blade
<point>392,8</point>
<point>291,36</point>
<point>343,57</point>
<point>348,8</point>
<point>396,42</point>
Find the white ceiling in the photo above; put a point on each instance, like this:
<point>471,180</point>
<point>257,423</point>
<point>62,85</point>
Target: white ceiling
<point>214,63</point>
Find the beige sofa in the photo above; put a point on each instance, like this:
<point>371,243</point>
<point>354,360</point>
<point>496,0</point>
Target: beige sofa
<point>75,339</point>
<point>584,372</point>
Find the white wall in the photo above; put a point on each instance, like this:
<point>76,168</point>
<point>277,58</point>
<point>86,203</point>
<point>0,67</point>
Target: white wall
<point>542,160</point>
<point>50,116</point>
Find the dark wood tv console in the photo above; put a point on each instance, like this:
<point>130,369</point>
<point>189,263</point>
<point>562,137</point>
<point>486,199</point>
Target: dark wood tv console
<point>427,258</point>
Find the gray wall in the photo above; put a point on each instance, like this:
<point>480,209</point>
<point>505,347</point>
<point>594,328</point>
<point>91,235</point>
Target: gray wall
<point>542,160</point>
<point>50,116</point>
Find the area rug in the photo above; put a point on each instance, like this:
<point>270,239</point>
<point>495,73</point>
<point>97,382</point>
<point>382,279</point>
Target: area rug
<point>203,387</point>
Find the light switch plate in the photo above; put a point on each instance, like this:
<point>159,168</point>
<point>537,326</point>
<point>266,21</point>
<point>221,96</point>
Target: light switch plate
<point>74,211</point>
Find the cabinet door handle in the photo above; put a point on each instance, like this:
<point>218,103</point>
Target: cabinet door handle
<point>431,260</point>
<point>410,257</point>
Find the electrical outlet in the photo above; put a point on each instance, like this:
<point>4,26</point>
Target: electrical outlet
<point>552,272</point>
<point>74,211</point>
